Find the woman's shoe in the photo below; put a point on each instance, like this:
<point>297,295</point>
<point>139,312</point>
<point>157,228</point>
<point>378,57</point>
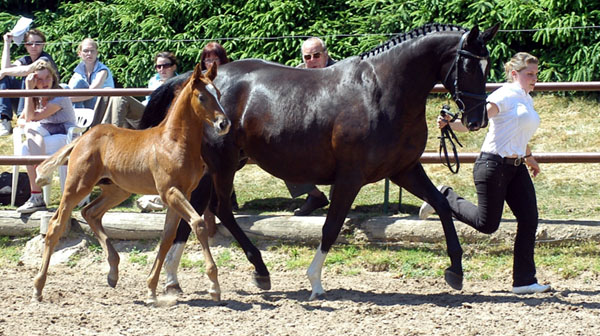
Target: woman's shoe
<point>531,289</point>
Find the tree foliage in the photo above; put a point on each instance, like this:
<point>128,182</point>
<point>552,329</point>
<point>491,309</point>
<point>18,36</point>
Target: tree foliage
<point>131,32</point>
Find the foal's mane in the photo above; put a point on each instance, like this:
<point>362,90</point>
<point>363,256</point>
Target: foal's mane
<point>402,37</point>
<point>176,97</point>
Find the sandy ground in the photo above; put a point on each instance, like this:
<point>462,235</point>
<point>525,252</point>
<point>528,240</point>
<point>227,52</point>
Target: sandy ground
<point>77,301</point>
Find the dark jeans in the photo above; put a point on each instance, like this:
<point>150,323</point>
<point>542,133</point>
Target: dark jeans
<point>8,104</point>
<point>495,183</point>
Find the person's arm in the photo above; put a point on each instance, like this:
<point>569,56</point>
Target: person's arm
<point>531,162</point>
<point>457,125</point>
<point>6,51</point>
<point>97,83</point>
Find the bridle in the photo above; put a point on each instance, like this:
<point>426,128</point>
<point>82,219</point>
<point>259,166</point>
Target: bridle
<point>446,132</point>
<point>458,93</point>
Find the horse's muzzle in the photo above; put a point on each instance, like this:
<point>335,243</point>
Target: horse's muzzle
<point>222,124</point>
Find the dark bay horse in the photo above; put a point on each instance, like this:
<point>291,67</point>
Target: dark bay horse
<point>164,160</point>
<point>353,123</point>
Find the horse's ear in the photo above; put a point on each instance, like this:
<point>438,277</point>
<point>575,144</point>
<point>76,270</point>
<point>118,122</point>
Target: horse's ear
<point>473,34</point>
<point>197,72</point>
<point>212,71</point>
<point>490,33</point>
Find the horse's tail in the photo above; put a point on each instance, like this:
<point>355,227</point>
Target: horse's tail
<point>160,99</point>
<point>46,168</point>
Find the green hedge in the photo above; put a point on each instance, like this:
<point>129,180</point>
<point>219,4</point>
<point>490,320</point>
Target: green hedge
<point>132,31</point>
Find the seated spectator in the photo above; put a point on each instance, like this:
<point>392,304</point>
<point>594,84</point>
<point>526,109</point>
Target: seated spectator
<point>10,74</point>
<point>127,111</point>
<point>42,118</point>
<point>314,56</point>
<point>89,74</point>
<point>213,52</point>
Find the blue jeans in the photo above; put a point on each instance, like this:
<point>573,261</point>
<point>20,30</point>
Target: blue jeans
<point>81,84</point>
<point>495,183</point>
<point>7,104</point>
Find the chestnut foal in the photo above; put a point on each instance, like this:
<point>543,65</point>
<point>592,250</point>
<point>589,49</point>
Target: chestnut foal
<point>165,160</point>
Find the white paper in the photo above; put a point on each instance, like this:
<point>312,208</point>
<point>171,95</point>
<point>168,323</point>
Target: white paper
<point>22,26</point>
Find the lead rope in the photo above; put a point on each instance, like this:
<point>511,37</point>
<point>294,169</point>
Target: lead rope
<point>448,134</point>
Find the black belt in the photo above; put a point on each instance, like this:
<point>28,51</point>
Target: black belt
<point>509,161</point>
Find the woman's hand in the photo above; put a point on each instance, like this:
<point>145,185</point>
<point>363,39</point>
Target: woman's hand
<point>533,165</point>
<point>31,81</point>
<point>442,121</point>
<point>8,38</point>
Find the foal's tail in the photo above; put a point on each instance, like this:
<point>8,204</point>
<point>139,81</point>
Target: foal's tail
<point>46,168</point>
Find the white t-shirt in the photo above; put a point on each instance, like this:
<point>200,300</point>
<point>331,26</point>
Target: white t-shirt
<point>514,125</point>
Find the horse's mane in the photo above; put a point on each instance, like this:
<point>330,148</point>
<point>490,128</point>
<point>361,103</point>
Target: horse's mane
<point>161,99</point>
<point>402,37</point>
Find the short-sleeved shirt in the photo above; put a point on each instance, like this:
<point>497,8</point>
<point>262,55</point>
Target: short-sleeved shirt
<point>66,114</point>
<point>26,60</point>
<point>80,74</point>
<point>514,125</point>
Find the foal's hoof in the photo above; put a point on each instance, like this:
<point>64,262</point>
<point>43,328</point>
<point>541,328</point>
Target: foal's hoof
<point>174,289</point>
<point>111,282</point>
<point>453,279</point>
<point>261,281</point>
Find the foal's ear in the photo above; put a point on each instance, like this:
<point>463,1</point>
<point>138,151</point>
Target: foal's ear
<point>197,72</point>
<point>490,33</point>
<point>212,71</point>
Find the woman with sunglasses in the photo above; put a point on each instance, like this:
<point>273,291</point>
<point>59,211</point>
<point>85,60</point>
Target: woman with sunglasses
<point>127,111</point>
<point>34,44</point>
<point>90,73</point>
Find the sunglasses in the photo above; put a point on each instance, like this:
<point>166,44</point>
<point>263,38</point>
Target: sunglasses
<point>160,66</point>
<point>308,57</point>
<point>33,44</point>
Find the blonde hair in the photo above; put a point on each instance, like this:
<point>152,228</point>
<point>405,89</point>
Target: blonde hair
<point>90,40</point>
<point>43,65</point>
<point>519,62</point>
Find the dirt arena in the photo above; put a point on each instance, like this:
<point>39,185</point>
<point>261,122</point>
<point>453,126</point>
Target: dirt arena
<point>77,301</point>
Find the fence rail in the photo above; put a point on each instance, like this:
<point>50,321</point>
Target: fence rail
<point>138,92</point>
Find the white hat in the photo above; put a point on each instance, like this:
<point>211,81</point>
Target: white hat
<point>22,26</point>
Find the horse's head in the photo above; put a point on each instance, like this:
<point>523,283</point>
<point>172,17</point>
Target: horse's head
<point>467,76</point>
<point>207,105</point>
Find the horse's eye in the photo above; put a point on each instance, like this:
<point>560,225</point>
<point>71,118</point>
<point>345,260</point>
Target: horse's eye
<point>201,98</point>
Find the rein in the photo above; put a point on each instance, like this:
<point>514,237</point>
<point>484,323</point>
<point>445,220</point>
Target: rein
<point>448,134</point>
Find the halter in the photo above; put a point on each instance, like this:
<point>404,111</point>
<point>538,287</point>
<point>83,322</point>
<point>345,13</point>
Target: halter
<point>458,94</point>
<point>446,132</point>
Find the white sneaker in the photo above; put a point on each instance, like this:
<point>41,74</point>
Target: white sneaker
<point>5,127</point>
<point>426,209</point>
<point>33,204</point>
<point>531,289</point>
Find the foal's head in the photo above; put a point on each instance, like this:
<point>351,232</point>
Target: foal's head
<point>205,99</point>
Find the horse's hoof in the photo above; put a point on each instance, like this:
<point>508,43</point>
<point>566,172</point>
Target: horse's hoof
<point>111,282</point>
<point>215,297</point>
<point>173,289</point>
<point>262,281</point>
<point>317,296</point>
<point>453,279</point>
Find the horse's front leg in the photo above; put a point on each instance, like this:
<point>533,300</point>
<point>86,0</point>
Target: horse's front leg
<point>178,203</point>
<point>199,200</point>
<point>342,197</point>
<point>418,183</point>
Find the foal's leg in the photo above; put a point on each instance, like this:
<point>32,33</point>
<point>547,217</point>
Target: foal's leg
<point>56,228</point>
<point>418,183</point>
<point>110,197</point>
<point>341,200</point>
<point>180,206</point>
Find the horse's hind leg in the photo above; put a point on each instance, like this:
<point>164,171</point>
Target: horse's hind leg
<point>418,183</point>
<point>180,206</point>
<point>110,197</point>
<point>56,228</point>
